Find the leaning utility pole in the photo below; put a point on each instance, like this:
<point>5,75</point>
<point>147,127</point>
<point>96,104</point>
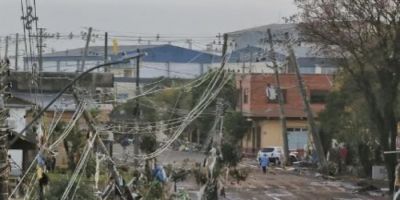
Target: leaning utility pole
<point>89,35</point>
<point>138,111</point>
<point>307,108</point>
<point>106,69</point>
<point>6,48</point>
<point>4,165</point>
<point>16,51</point>
<point>280,100</point>
<point>125,191</point>
<point>40,49</point>
<point>214,156</point>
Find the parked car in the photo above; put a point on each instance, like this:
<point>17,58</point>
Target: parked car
<point>275,154</point>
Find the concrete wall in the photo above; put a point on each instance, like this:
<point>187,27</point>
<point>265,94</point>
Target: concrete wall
<point>154,69</point>
<point>55,81</point>
<point>246,67</point>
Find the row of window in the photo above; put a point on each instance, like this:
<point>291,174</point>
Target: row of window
<point>316,96</point>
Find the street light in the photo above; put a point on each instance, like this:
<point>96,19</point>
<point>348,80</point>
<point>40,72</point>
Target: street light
<point>124,60</point>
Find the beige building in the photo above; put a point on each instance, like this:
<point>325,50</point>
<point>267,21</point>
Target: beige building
<point>258,102</point>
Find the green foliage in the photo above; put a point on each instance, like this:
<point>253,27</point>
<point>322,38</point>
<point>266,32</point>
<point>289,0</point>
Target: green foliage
<point>75,143</point>
<point>235,126</point>
<point>211,190</point>
<point>230,154</point>
<point>58,184</point>
<point>152,191</point>
<point>179,174</point>
<point>148,144</point>
<point>182,195</point>
<point>346,119</point>
<point>200,174</point>
<point>228,94</point>
<point>90,167</point>
<point>239,174</point>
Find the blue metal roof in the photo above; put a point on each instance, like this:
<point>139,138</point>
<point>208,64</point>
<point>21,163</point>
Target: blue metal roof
<point>175,54</point>
<point>155,53</point>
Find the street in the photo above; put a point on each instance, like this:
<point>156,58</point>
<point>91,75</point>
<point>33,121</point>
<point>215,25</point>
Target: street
<point>277,184</point>
<point>284,186</point>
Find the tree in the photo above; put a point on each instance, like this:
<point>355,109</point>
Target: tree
<point>228,93</point>
<point>235,126</point>
<point>346,120</point>
<point>60,182</point>
<point>364,37</point>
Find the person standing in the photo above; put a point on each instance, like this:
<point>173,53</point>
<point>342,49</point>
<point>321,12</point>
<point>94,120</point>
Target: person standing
<point>264,162</point>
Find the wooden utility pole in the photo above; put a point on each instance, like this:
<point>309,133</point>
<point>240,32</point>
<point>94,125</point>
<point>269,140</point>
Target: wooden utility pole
<point>307,108</point>
<point>6,48</point>
<point>106,51</point>
<point>16,51</point>
<point>4,162</point>
<point>280,100</point>
<point>40,49</point>
<point>212,157</point>
<point>113,169</point>
<point>88,38</point>
<point>138,111</point>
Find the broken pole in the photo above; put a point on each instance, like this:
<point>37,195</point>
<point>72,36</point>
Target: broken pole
<point>307,108</point>
<point>114,172</point>
<point>106,69</point>
<point>16,51</point>
<point>138,111</point>
<point>282,116</point>
<point>6,48</point>
<point>86,50</point>
<point>4,162</point>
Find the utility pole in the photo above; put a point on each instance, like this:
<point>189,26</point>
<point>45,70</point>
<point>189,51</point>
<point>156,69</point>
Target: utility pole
<point>16,51</point>
<point>214,155</point>
<point>4,162</point>
<point>280,100</point>
<point>138,111</point>
<point>6,48</point>
<point>307,108</point>
<point>86,49</point>
<point>40,49</point>
<point>220,113</point>
<point>106,51</point>
<point>0,47</point>
<point>114,172</point>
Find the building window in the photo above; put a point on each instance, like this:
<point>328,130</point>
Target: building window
<point>246,96</point>
<point>318,96</point>
<point>297,138</point>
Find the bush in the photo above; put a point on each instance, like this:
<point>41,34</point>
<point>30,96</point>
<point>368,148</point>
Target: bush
<point>58,184</point>
<point>200,175</point>
<point>230,155</point>
<point>239,174</point>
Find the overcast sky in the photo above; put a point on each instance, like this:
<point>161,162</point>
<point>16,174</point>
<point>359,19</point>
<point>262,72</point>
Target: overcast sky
<point>175,17</point>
